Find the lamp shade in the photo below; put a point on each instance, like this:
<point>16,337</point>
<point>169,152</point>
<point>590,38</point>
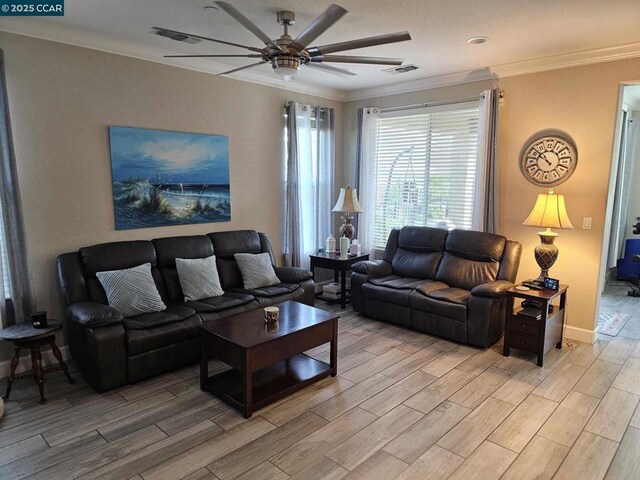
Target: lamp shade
<point>347,201</point>
<point>549,212</point>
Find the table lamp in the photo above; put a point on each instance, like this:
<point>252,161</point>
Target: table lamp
<point>548,212</point>
<point>347,203</point>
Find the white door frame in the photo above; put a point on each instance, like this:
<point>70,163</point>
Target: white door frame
<point>613,178</point>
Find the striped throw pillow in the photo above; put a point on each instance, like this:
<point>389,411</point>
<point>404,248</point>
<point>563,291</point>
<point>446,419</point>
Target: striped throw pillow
<point>132,291</point>
<point>199,278</point>
<point>256,270</point>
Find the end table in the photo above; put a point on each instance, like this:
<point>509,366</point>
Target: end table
<point>25,336</point>
<point>530,334</point>
<point>339,266</point>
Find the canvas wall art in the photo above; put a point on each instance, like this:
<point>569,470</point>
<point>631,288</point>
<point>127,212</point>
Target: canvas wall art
<point>165,178</point>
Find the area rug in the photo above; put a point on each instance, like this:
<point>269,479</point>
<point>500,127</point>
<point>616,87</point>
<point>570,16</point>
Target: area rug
<point>610,323</point>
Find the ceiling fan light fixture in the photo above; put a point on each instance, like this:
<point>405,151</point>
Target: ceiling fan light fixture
<point>286,66</point>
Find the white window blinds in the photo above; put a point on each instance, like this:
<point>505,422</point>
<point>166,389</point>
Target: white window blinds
<point>426,166</point>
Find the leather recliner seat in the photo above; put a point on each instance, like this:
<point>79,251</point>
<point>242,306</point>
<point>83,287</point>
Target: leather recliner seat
<point>112,350</point>
<point>450,284</point>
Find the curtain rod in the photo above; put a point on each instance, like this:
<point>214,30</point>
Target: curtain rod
<point>438,103</point>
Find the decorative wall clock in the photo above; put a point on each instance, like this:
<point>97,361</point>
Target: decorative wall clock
<point>548,158</point>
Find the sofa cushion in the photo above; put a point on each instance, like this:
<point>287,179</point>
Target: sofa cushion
<point>422,239</point>
<point>395,281</point>
<point>386,294</point>
<point>198,278</point>
<point>256,269</point>
<point>463,273</point>
<point>170,248</point>
<point>131,291</point>
<point>223,302</point>
<point>439,307</point>
<point>225,245</point>
<point>428,286</point>
<point>271,291</point>
<point>173,314</point>
<point>478,246</point>
<point>419,252</point>
<point>452,295</point>
<point>147,339</point>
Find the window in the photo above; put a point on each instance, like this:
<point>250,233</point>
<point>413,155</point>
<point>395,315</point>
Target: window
<point>426,168</point>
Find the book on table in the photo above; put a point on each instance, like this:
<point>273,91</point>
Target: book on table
<point>531,312</point>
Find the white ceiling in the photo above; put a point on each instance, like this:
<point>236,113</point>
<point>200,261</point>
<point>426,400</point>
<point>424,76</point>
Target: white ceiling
<point>523,34</point>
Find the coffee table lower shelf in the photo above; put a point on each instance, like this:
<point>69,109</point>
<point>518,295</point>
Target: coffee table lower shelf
<point>269,384</point>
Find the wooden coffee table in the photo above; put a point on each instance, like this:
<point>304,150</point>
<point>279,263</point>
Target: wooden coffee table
<point>267,361</point>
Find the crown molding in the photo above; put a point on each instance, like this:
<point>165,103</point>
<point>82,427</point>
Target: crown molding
<point>421,84</point>
<point>536,65</point>
<point>117,47</point>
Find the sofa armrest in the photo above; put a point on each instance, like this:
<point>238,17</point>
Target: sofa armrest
<point>292,274</point>
<point>92,315</point>
<point>374,268</point>
<point>495,289</point>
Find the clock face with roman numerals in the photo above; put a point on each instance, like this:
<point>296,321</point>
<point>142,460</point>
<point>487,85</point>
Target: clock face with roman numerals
<point>548,158</point>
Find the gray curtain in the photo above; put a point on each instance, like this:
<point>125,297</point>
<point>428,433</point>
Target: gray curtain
<point>292,208</point>
<point>309,172</point>
<point>16,298</point>
<point>491,105</point>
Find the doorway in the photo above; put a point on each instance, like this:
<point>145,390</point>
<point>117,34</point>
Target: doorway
<point>619,306</point>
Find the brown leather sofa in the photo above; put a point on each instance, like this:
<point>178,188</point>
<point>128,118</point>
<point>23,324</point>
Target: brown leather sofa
<point>449,284</point>
<point>112,350</point>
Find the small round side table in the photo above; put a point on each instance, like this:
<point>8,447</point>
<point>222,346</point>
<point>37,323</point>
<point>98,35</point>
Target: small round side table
<point>25,336</point>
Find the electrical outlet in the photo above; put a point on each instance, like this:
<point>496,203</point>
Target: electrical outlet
<point>586,223</point>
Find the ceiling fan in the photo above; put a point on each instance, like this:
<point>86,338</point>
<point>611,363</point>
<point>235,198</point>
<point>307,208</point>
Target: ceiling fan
<point>287,54</point>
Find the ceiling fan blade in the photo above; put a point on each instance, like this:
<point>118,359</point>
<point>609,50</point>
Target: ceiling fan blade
<point>340,72</point>
<point>243,68</point>
<point>162,32</point>
<point>350,59</point>
<point>330,16</point>
<point>360,43</point>
<point>248,24</point>
<point>251,55</point>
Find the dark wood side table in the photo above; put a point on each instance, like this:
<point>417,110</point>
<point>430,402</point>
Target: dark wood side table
<point>267,361</point>
<point>25,336</point>
<point>530,334</point>
<point>339,266</point>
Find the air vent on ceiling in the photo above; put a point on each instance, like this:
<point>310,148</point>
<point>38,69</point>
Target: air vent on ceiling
<point>401,69</point>
<point>179,37</point>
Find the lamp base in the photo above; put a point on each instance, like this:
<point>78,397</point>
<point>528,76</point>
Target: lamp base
<point>347,229</point>
<point>546,253</point>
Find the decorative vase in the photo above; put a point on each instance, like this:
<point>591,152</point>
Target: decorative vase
<point>546,253</point>
<point>344,248</point>
<point>347,229</point>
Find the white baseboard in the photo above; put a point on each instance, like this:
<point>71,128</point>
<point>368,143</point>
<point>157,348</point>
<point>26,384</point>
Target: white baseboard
<point>25,360</point>
<point>580,334</point>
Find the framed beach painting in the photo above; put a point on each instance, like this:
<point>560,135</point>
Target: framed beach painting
<point>163,178</point>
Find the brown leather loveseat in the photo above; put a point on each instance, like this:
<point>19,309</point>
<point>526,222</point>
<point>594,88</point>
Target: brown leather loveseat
<point>449,284</point>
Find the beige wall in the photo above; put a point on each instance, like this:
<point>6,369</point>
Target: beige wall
<point>62,99</point>
<point>582,101</point>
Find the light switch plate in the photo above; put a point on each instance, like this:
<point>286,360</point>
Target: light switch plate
<point>586,223</point>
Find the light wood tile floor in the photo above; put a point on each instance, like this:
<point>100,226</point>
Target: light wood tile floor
<point>404,406</point>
